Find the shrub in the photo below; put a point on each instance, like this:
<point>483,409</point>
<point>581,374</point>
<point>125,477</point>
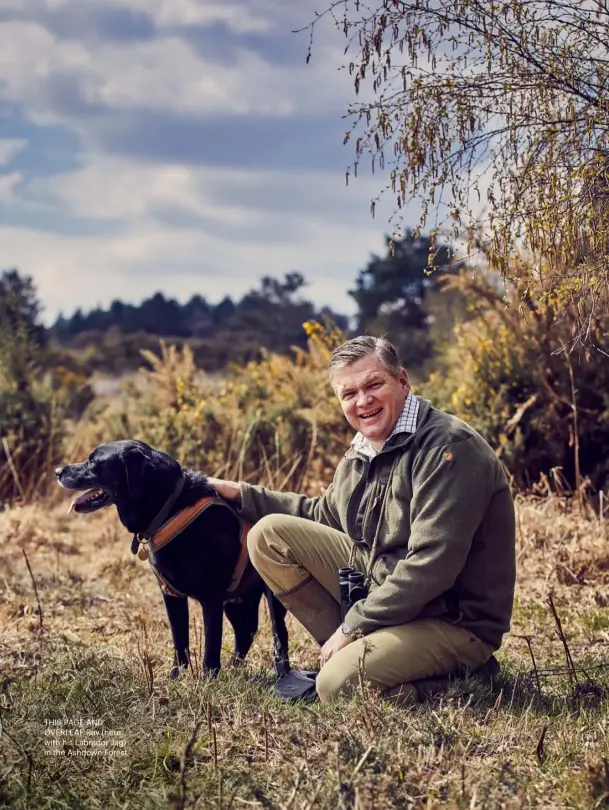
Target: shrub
<point>35,400</point>
<point>275,421</point>
<point>513,373</point>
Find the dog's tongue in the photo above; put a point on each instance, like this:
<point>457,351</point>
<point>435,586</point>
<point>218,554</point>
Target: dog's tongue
<point>83,498</point>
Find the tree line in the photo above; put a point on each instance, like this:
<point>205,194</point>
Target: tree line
<point>491,354</point>
<point>392,292</point>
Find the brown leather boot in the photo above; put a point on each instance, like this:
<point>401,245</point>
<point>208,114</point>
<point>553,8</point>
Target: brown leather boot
<point>315,609</point>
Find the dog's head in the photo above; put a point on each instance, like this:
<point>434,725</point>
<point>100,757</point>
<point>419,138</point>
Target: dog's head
<point>129,473</point>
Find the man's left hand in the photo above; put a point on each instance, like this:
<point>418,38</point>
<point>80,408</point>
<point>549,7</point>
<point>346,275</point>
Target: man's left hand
<point>336,642</point>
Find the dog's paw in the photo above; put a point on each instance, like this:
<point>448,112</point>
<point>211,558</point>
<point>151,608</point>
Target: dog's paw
<point>209,673</point>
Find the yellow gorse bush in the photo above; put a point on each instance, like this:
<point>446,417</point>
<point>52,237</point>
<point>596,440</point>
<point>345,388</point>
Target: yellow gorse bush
<point>275,421</point>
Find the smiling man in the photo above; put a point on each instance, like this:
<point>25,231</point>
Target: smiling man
<point>421,505</point>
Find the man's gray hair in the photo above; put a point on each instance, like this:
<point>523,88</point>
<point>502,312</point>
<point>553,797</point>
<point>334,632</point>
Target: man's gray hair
<point>353,350</point>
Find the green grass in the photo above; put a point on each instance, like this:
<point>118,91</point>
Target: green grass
<point>595,621</point>
<point>231,743</point>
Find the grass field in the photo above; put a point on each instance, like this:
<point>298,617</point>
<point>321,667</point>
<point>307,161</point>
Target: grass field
<point>89,719</point>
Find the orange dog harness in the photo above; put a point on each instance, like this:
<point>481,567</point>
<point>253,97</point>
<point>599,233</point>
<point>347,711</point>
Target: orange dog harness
<point>180,521</point>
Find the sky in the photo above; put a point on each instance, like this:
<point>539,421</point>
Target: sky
<point>178,145</point>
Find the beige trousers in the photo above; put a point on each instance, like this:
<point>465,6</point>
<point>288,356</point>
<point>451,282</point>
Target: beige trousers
<point>287,551</point>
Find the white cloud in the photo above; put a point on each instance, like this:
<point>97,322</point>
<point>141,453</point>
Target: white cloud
<point>240,17</point>
<point>167,75</point>
<point>29,54</point>
<point>109,188</point>
<point>9,147</point>
<point>164,74</point>
<point>7,186</point>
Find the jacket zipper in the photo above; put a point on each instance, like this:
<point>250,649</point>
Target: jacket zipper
<point>372,502</point>
<point>368,515</point>
<point>354,500</point>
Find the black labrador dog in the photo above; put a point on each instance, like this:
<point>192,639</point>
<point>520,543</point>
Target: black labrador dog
<point>149,487</point>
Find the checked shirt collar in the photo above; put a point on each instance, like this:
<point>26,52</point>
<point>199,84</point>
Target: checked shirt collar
<point>407,423</point>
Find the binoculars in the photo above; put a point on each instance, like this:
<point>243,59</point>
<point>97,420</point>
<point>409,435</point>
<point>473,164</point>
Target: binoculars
<point>352,589</point>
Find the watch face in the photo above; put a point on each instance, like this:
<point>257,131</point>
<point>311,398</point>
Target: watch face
<point>346,629</point>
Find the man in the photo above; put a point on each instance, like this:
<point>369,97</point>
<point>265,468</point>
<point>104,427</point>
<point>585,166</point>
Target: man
<point>419,503</point>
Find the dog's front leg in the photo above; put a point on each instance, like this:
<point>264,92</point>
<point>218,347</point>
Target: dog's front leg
<point>213,612</point>
<point>177,613</point>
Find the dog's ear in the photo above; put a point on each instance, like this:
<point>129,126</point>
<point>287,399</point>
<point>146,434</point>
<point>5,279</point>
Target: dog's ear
<point>135,462</point>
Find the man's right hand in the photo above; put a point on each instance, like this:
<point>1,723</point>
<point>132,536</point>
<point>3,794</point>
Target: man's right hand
<point>230,490</point>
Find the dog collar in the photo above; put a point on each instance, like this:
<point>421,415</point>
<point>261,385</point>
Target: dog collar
<point>160,518</point>
<point>180,521</point>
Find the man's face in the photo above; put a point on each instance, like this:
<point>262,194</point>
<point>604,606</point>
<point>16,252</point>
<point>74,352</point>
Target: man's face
<point>371,399</point>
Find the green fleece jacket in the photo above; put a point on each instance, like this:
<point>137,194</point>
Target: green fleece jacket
<point>439,505</point>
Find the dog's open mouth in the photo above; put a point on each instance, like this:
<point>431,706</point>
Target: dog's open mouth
<point>91,501</point>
